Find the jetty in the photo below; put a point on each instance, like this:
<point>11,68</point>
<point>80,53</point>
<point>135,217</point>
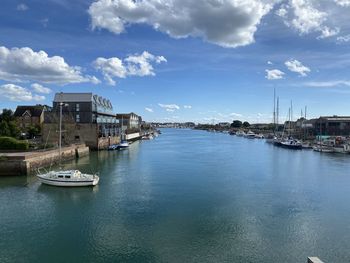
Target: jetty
<point>24,163</point>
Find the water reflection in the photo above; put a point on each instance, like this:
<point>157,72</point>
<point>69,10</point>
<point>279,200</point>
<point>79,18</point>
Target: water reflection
<point>185,196</point>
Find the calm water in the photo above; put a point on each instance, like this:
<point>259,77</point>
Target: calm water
<point>187,196</point>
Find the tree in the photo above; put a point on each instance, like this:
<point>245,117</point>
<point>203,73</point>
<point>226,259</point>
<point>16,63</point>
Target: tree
<point>7,115</point>
<point>246,124</point>
<point>236,124</point>
<point>4,129</point>
<point>8,126</point>
<point>33,131</point>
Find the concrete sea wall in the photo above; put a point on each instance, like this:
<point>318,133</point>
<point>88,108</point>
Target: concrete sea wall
<point>27,162</point>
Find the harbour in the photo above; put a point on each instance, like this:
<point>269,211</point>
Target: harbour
<point>247,201</point>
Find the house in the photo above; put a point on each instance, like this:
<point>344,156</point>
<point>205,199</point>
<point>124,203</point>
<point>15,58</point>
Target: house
<point>29,116</point>
<point>86,118</point>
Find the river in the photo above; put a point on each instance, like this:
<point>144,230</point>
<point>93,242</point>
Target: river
<point>187,196</point>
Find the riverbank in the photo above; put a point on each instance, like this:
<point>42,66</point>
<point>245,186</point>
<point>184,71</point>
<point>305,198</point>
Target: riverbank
<point>23,163</point>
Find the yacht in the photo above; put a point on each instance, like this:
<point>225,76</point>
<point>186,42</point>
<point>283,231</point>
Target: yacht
<point>240,133</point>
<point>123,144</point>
<point>68,178</point>
<point>291,144</point>
<point>250,135</point>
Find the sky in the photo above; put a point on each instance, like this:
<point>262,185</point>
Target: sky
<point>205,61</point>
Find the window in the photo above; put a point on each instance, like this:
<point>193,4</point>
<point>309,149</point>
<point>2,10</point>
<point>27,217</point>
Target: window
<point>77,118</point>
<point>77,107</point>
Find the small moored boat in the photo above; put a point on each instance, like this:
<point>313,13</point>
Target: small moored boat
<point>68,178</point>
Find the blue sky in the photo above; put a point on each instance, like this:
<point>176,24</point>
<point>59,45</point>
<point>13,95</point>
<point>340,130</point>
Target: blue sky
<point>170,63</point>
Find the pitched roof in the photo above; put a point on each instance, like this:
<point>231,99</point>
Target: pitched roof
<point>35,111</point>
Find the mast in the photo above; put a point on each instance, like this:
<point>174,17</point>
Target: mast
<point>278,111</point>
<point>274,110</point>
<point>60,132</point>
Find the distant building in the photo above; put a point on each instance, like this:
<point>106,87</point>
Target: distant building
<point>224,124</point>
<point>333,125</point>
<point>129,121</point>
<point>87,118</point>
<point>27,116</point>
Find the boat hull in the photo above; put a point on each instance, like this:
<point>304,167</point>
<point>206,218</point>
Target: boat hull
<point>77,183</point>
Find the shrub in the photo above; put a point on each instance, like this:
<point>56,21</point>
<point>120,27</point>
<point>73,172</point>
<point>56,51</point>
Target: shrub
<point>9,143</point>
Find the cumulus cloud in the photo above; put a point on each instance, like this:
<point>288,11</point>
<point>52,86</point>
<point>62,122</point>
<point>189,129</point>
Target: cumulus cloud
<point>297,66</point>
<point>187,107</point>
<point>24,64</point>
<point>228,23</point>
<point>134,65</point>
<point>40,88</point>
<point>22,7</point>
<point>344,3</point>
<point>17,93</point>
<point>272,74</point>
<point>149,109</point>
<point>306,17</point>
<point>169,107</point>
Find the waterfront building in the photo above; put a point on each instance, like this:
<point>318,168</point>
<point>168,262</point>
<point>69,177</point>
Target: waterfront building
<point>30,115</point>
<point>129,122</point>
<point>87,118</point>
<point>333,125</point>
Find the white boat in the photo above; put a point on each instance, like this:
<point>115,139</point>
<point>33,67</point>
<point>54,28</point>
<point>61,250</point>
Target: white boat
<point>259,136</point>
<point>250,135</point>
<point>240,133</point>
<point>68,178</point>
<point>323,149</point>
<point>123,144</point>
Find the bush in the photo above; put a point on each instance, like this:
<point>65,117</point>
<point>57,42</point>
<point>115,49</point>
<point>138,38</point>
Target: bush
<point>9,143</point>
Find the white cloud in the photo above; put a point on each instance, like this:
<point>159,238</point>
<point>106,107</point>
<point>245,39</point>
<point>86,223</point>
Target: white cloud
<point>169,107</point>
<point>297,66</point>
<point>17,93</point>
<point>24,64</point>
<point>187,107</point>
<point>22,7</point>
<point>233,114</point>
<point>328,84</point>
<point>228,23</point>
<point>343,39</point>
<point>269,63</point>
<point>149,109</point>
<point>344,3</point>
<point>135,65</point>
<point>303,16</point>
<point>274,74</point>
<point>40,88</point>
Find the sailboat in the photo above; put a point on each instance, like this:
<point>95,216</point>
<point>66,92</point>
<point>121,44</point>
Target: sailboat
<point>67,178</point>
<point>290,142</point>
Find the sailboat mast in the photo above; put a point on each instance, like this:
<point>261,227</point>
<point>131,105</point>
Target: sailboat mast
<point>60,132</point>
<point>274,110</point>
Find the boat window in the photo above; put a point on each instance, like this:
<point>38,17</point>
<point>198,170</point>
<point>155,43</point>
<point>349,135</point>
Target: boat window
<point>67,176</point>
<point>60,176</point>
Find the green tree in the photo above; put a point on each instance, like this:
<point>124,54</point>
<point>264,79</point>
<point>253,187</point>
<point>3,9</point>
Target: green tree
<point>33,131</point>
<point>4,129</point>
<point>246,124</point>
<point>236,124</point>
<point>7,115</point>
